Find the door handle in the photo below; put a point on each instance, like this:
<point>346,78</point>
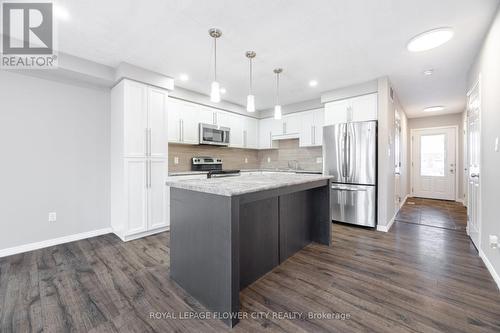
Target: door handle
<point>146,148</point>
<point>474,175</point>
<point>149,141</point>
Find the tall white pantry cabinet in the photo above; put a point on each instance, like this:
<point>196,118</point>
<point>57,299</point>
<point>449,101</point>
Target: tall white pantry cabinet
<point>139,160</point>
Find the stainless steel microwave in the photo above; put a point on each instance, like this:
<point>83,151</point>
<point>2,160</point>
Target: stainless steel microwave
<point>214,135</point>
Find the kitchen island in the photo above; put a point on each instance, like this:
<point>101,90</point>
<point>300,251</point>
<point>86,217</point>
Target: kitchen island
<point>227,232</point>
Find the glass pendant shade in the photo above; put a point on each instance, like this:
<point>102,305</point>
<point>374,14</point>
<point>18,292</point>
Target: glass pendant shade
<point>215,92</point>
<point>277,112</point>
<point>251,103</point>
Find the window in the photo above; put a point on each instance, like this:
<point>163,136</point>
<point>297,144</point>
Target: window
<point>432,155</point>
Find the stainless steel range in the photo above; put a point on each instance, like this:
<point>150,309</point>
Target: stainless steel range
<point>206,163</point>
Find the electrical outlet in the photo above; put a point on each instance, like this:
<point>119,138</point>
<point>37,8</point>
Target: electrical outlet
<point>319,160</point>
<point>246,160</point>
<point>268,159</point>
<point>493,241</point>
<point>52,217</point>
<point>176,160</point>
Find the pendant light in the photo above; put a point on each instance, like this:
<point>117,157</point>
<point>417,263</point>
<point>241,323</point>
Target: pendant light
<point>277,107</point>
<point>250,98</point>
<point>215,86</point>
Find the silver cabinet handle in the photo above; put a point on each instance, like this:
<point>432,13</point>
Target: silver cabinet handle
<point>270,139</point>
<point>474,175</point>
<point>180,130</point>
<point>150,167</point>
<point>284,128</point>
<point>146,142</point>
<point>150,142</point>
<point>312,134</point>
<point>147,175</point>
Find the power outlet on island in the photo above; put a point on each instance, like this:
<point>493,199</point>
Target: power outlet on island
<point>52,217</point>
<point>246,160</point>
<point>268,159</point>
<point>176,160</point>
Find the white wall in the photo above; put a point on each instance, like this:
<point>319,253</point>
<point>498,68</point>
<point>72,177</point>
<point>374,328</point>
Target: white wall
<point>54,141</point>
<point>487,64</point>
<point>443,121</point>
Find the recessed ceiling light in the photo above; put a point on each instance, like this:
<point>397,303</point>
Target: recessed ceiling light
<point>428,72</point>
<point>313,83</point>
<point>61,13</point>
<point>434,109</point>
<point>430,39</point>
<point>183,77</point>
<point>222,90</point>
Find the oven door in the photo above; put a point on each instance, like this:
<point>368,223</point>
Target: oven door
<point>214,135</point>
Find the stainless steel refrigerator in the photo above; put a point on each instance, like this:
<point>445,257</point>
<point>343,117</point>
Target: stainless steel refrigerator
<point>350,156</point>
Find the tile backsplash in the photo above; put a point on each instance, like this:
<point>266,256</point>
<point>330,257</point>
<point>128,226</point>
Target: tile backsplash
<point>287,155</point>
<point>290,156</point>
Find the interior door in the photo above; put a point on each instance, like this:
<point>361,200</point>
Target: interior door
<point>158,196</point>
<point>434,163</point>
<point>157,105</point>
<point>473,162</point>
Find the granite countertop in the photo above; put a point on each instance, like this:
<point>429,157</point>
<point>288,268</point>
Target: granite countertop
<point>189,173</point>
<point>245,183</point>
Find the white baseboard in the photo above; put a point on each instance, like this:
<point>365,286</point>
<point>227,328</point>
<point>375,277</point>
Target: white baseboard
<point>51,242</point>
<point>386,228</point>
<point>490,267</point>
<point>127,238</point>
<point>404,200</point>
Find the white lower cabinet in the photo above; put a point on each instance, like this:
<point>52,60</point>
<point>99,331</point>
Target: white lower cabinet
<point>136,184</point>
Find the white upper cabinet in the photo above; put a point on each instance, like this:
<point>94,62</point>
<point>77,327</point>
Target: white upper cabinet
<point>135,119</point>
<point>311,133</point>
<point>157,119</point>
<point>361,108</point>
<point>364,108</point>
<point>235,123</point>
<point>250,133</point>
<point>266,128</point>
<point>183,122</point>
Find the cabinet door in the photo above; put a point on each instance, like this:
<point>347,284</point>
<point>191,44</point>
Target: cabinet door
<point>235,123</point>
<point>265,132</point>
<point>336,112</point>
<point>136,194</point>
<point>158,197</point>
<point>318,120</point>
<point>307,129</point>
<point>157,118</point>
<point>207,115</point>
<point>250,132</point>
<point>188,114</point>
<point>135,119</point>
<point>364,108</point>
<point>173,121</point>
<point>291,124</point>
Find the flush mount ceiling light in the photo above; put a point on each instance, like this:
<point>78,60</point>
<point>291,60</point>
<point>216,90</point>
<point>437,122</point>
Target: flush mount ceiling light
<point>430,39</point>
<point>215,86</point>
<point>434,108</point>
<point>184,77</point>
<point>428,72</point>
<point>277,107</point>
<point>313,83</point>
<point>250,98</point>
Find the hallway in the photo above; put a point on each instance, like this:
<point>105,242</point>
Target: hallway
<point>434,213</point>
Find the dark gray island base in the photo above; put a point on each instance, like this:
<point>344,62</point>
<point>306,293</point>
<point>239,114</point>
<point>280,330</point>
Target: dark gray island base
<point>226,233</point>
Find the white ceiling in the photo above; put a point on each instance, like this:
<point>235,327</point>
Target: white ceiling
<point>337,43</point>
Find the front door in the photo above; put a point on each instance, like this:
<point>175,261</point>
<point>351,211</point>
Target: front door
<point>434,163</point>
<point>473,163</point>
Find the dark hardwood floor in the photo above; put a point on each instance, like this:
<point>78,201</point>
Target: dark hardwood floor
<point>415,278</point>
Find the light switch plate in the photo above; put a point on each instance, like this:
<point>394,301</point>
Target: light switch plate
<point>52,217</point>
<point>268,159</point>
<point>319,160</point>
<point>246,160</point>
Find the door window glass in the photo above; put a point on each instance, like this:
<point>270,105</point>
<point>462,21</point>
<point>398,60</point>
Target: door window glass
<point>432,155</point>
